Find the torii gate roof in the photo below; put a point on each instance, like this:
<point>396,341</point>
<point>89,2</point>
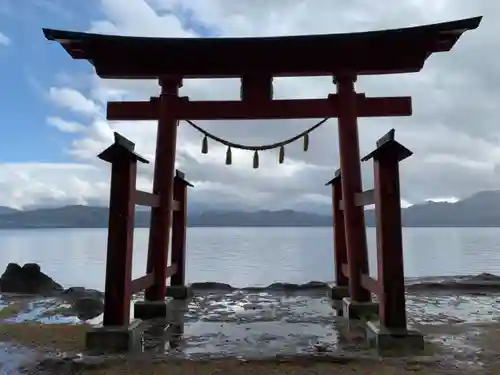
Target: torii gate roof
<point>377,52</point>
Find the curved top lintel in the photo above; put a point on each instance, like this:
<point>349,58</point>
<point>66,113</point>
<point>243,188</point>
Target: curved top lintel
<point>372,52</point>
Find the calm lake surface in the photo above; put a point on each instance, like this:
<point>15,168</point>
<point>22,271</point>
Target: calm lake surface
<point>251,256</point>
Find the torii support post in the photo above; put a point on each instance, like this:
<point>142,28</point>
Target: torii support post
<point>116,333</point>
<point>350,166</point>
<point>177,288</point>
<point>341,289</point>
<point>164,172</point>
<point>391,331</point>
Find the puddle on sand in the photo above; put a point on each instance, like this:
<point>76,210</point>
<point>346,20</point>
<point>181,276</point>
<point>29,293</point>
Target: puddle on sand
<point>48,311</point>
<point>253,325</point>
<point>45,311</point>
<point>444,308</point>
<point>257,325</point>
<point>260,339</point>
<point>13,358</point>
<point>240,306</point>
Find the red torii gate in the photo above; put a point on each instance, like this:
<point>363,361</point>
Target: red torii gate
<point>256,61</point>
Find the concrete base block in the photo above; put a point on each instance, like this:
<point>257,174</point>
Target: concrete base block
<point>150,309</point>
<point>179,292</point>
<point>176,310</point>
<point>337,306</point>
<point>175,334</point>
<point>336,294</point>
<point>175,329</point>
<point>359,310</point>
<point>386,339</point>
<point>115,339</point>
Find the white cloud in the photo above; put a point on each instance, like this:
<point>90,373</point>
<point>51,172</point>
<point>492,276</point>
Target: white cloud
<point>73,100</point>
<point>453,130</point>
<point>4,40</point>
<point>51,184</point>
<point>65,126</point>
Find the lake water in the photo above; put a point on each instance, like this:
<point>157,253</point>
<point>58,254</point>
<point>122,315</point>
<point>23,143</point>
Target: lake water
<point>251,256</point>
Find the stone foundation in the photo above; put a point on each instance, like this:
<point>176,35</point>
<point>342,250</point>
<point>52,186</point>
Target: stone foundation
<point>115,339</point>
<point>146,310</point>
<point>386,339</point>
<point>359,310</point>
<point>336,295</point>
<point>176,310</point>
<point>178,292</point>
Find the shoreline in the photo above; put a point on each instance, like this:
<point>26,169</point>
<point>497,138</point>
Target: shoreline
<point>480,282</point>
<point>296,331</point>
<point>279,327</point>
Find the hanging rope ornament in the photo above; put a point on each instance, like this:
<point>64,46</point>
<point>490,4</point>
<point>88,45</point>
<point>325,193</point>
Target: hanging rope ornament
<point>306,142</point>
<point>282,155</point>
<point>256,159</point>
<point>281,145</point>
<point>229,158</point>
<point>204,145</point>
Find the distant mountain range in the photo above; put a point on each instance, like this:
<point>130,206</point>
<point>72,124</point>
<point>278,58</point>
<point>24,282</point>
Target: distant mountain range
<point>7,210</point>
<point>480,210</point>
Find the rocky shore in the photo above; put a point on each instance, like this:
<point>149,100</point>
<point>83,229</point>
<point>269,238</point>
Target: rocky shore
<point>31,281</point>
<point>27,283</point>
<point>291,326</point>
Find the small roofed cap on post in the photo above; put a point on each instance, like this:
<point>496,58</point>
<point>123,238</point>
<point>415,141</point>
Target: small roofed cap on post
<point>122,148</point>
<point>388,145</point>
<point>179,175</point>
<point>336,177</point>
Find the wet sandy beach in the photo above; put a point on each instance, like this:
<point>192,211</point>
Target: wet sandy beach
<point>462,330</point>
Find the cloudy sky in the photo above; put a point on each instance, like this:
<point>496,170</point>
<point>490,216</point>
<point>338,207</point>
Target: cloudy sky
<point>53,121</point>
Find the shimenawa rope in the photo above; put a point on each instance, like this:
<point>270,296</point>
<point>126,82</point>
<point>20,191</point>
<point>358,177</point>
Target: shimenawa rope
<point>256,149</point>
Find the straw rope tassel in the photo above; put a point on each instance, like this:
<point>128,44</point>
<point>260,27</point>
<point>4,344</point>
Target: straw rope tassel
<point>229,158</point>
<point>282,155</point>
<point>281,145</point>
<point>204,145</point>
<point>255,160</point>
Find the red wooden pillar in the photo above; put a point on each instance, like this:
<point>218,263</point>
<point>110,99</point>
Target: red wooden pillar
<point>339,245</point>
<point>123,161</point>
<point>161,216</point>
<point>386,158</point>
<point>350,166</point>
<point>179,230</point>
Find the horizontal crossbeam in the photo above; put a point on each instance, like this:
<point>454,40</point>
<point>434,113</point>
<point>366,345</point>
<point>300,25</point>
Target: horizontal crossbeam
<point>365,198</point>
<point>147,280</point>
<point>345,269</point>
<point>369,283</point>
<point>143,198</point>
<point>274,109</point>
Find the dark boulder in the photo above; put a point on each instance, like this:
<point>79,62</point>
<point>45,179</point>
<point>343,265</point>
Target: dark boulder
<point>311,285</point>
<point>76,292</point>
<point>484,277</point>
<point>28,279</point>
<point>87,307</point>
<point>483,282</point>
<point>211,286</point>
<point>85,303</point>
